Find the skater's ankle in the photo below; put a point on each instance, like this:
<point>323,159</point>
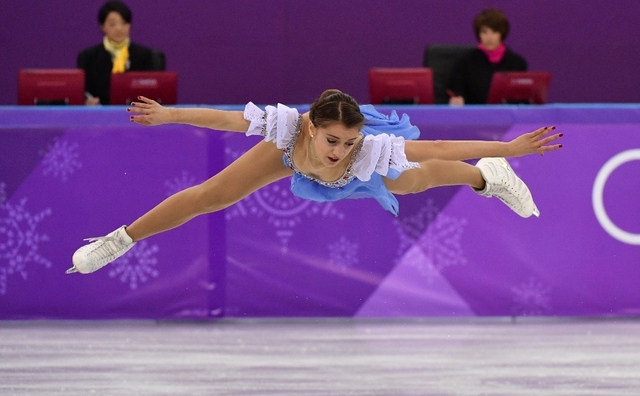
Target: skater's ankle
<point>478,183</point>
<point>479,186</point>
<point>128,232</point>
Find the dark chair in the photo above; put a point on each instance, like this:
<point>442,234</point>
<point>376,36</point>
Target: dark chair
<point>441,58</point>
<point>158,60</point>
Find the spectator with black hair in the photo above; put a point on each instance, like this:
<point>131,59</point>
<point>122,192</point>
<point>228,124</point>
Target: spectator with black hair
<point>116,53</point>
<point>471,75</point>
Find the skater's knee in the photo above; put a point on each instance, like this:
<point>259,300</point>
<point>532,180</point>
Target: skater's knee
<point>416,188</point>
<point>211,197</point>
<point>412,184</point>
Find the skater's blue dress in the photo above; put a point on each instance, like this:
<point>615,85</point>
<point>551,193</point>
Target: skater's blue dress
<point>380,153</point>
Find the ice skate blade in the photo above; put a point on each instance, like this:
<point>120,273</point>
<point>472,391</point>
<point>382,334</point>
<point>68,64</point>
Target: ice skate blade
<point>71,270</point>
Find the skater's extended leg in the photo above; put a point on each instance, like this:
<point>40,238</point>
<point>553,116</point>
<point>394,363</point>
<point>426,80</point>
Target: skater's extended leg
<point>490,177</point>
<point>256,168</point>
<point>436,173</point>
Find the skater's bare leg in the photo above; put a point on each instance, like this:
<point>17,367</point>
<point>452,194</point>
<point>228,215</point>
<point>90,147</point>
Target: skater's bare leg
<point>256,168</point>
<point>436,173</point>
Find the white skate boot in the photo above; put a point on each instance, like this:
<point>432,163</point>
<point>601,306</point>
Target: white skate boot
<point>503,183</point>
<point>101,251</point>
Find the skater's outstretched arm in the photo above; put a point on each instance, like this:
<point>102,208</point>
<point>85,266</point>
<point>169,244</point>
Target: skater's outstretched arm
<point>149,112</point>
<point>536,142</point>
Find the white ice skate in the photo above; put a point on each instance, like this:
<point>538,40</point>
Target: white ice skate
<point>504,184</point>
<point>101,251</point>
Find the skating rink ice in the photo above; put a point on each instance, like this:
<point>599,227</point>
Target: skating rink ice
<point>493,356</point>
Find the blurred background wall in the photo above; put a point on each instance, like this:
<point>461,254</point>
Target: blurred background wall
<point>230,52</point>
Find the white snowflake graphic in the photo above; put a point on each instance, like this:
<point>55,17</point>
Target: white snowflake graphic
<point>410,229</point>
<point>61,160</point>
<point>179,183</point>
<point>343,253</point>
<point>437,235</point>
<point>531,298</point>
<point>283,210</point>
<point>137,265</point>
<point>20,241</point>
<point>441,243</point>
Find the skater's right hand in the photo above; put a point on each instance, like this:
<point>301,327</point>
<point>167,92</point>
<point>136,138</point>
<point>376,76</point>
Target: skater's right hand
<point>536,142</point>
<point>149,112</point>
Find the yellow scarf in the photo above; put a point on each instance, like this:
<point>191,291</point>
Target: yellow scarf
<point>119,52</point>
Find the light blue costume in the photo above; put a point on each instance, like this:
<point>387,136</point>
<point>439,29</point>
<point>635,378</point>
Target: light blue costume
<point>380,153</point>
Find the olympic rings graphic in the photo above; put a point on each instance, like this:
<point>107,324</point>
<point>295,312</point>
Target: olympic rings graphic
<point>598,200</point>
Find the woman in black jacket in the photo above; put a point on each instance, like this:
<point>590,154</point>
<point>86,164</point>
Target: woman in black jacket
<point>471,75</point>
<point>116,53</point>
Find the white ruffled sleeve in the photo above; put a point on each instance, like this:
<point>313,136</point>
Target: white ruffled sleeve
<point>383,154</point>
<point>277,124</point>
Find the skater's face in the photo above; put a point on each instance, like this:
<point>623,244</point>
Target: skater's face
<point>333,143</point>
<point>115,27</point>
<point>490,38</point>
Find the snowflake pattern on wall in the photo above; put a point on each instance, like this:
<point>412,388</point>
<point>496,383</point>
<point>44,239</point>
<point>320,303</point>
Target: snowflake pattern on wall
<point>283,210</point>
<point>20,241</point>
<point>441,243</point>
<point>179,183</point>
<point>531,298</point>
<point>440,240</point>
<point>343,253</point>
<point>137,265</point>
<point>61,160</point>
<point>409,229</point>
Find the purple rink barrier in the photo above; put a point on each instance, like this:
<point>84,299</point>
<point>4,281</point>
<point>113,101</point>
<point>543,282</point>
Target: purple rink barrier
<point>71,173</point>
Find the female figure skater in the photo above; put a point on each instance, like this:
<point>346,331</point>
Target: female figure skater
<point>335,151</point>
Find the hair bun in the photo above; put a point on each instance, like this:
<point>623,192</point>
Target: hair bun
<point>329,92</point>
<point>335,106</point>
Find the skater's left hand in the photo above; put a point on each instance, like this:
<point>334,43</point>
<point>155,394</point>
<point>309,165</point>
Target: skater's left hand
<point>149,112</point>
<point>536,142</point>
